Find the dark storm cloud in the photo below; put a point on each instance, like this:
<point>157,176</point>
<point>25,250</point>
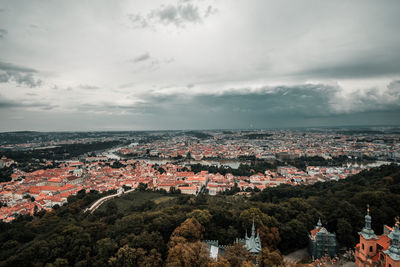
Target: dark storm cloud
<point>179,14</point>
<point>283,106</point>
<point>4,66</point>
<point>3,33</point>
<point>305,101</point>
<point>19,74</point>
<point>8,104</point>
<point>367,67</point>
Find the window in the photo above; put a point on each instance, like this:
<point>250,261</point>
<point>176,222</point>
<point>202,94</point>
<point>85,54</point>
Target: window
<point>370,249</point>
<point>390,265</point>
<point>362,246</point>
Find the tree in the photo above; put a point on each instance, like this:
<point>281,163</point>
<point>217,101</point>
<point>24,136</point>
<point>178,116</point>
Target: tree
<point>247,216</point>
<point>236,254</point>
<point>174,191</point>
<point>127,256</point>
<point>202,216</point>
<point>153,259</point>
<point>294,235</point>
<point>344,232</point>
<point>269,259</point>
<point>185,247</point>
<point>221,262</point>
<point>189,231</point>
<point>61,262</point>
<point>188,254</point>
<point>106,247</point>
<point>269,237</point>
<point>142,187</point>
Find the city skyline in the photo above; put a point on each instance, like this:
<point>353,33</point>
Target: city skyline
<point>192,64</point>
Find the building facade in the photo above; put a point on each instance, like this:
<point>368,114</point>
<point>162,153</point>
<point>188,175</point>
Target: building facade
<point>321,242</point>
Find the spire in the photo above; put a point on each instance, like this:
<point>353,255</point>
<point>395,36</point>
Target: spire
<point>367,231</point>
<point>394,248</point>
<point>319,224</point>
<point>253,229</point>
<point>253,243</point>
<point>368,219</point>
<point>247,237</point>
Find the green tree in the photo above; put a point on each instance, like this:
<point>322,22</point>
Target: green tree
<point>202,216</point>
<point>106,247</point>
<point>345,232</point>
<point>127,256</point>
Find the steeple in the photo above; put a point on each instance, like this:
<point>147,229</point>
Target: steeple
<point>319,224</point>
<point>253,229</point>
<point>367,231</point>
<point>253,243</point>
<point>368,219</point>
<point>394,249</point>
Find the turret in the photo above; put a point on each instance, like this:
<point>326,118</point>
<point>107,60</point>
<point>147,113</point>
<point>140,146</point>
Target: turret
<point>394,249</point>
<point>367,231</point>
<point>319,224</point>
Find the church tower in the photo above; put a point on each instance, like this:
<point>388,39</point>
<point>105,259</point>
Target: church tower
<point>393,252</point>
<point>367,246</point>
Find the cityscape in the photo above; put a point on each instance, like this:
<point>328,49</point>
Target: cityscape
<point>199,133</point>
<point>192,162</point>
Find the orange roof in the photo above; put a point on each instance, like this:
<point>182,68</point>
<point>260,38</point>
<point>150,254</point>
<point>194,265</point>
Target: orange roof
<point>383,241</point>
<point>315,231</point>
<point>56,180</point>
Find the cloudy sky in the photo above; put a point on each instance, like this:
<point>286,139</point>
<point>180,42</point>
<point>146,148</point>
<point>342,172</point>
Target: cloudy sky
<point>198,64</point>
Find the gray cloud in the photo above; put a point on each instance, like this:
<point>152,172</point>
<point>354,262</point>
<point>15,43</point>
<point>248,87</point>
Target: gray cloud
<point>372,66</point>
<point>88,87</point>
<point>3,32</point>
<point>4,66</point>
<point>23,79</point>
<point>148,63</point>
<point>179,14</point>
<point>19,74</point>
<point>11,104</point>
<point>143,57</point>
<point>282,106</point>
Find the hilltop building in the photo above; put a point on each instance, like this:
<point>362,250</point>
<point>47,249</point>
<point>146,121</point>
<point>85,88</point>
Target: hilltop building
<point>321,242</point>
<point>383,250</point>
<point>252,243</point>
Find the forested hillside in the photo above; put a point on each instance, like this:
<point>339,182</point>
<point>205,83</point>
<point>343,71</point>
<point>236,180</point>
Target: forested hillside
<point>154,228</point>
